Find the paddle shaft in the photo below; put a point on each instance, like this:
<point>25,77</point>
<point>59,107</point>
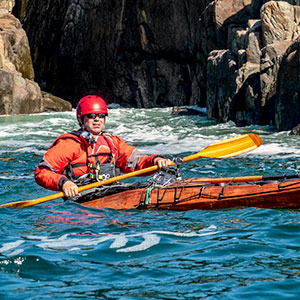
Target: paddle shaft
<point>28,203</point>
<point>250,178</point>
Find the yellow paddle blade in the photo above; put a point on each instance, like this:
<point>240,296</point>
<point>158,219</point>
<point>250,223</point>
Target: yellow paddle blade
<point>226,148</point>
<point>230,147</point>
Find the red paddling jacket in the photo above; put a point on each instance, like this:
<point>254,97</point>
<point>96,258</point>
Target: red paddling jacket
<point>77,156</point>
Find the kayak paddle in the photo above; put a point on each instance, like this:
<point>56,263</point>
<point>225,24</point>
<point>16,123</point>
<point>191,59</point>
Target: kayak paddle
<point>222,149</point>
<point>249,178</point>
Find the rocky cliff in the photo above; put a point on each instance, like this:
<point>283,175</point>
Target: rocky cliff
<point>239,58</point>
<point>137,53</point>
<point>258,70</point>
<point>19,93</point>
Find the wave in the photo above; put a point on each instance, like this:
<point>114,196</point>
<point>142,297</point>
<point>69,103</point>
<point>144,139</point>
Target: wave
<point>78,242</point>
<point>151,130</point>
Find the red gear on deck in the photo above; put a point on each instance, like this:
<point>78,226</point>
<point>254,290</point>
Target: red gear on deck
<point>90,104</point>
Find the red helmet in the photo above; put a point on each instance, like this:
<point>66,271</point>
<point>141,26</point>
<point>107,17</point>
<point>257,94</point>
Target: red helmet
<point>89,105</point>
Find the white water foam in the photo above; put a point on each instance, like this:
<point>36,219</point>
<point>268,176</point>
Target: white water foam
<point>120,241</point>
<point>275,149</point>
<point>155,129</point>
<point>68,242</point>
<point>14,177</point>
<point>7,247</point>
<point>150,240</point>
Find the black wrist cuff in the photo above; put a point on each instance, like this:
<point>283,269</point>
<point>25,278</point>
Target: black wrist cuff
<point>62,182</point>
<point>156,156</point>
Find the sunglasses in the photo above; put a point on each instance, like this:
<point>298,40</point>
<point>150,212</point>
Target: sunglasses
<point>93,116</point>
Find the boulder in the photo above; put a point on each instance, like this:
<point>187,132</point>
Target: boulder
<point>287,100</point>
<point>186,111</point>
<point>270,64</point>
<point>280,21</point>
<point>19,94</point>
<point>7,4</point>
<point>222,70</point>
<point>295,130</point>
<point>52,103</point>
<point>235,97</point>
<point>233,92</point>
<point>246,83</point>
<point>14,48</point>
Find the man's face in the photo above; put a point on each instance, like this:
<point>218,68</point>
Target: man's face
<point>94,123</point>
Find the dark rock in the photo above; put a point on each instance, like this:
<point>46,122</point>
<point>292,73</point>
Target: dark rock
<point>53,103</point>
<point>137,53</point>
<point>295,130</point>
<point>222,68</point>
<point>287,100</point>
<point>186,111</point>
<point>270,63</point>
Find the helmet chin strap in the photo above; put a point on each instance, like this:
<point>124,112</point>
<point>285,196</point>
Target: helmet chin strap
<point>88,136</point>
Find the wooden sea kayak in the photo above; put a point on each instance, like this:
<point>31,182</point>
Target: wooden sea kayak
<point>199,193</point>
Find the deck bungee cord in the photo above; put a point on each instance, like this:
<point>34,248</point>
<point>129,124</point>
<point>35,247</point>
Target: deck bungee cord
<point>200,186</point>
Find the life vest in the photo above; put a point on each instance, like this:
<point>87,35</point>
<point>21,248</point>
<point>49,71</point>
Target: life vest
<point>95,162</point>
<point>78,157</point>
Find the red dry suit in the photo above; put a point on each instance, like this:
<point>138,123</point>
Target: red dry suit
<point>73,156</point>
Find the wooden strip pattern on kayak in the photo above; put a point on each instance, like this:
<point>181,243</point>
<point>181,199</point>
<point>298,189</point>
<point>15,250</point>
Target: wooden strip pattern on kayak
<point>196,194</point>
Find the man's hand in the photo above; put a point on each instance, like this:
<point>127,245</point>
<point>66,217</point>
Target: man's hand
<point>161,162</point>
<point>70,189</point>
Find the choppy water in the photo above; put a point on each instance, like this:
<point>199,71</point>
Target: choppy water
<point>61,250</point>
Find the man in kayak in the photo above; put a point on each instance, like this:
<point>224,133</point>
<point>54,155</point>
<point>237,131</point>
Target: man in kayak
<point>90,154</point>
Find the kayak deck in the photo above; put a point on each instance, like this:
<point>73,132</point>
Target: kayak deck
<point>197,193</point>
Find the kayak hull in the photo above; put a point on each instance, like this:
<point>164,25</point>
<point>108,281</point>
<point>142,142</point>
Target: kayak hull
<point>197,193</point>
